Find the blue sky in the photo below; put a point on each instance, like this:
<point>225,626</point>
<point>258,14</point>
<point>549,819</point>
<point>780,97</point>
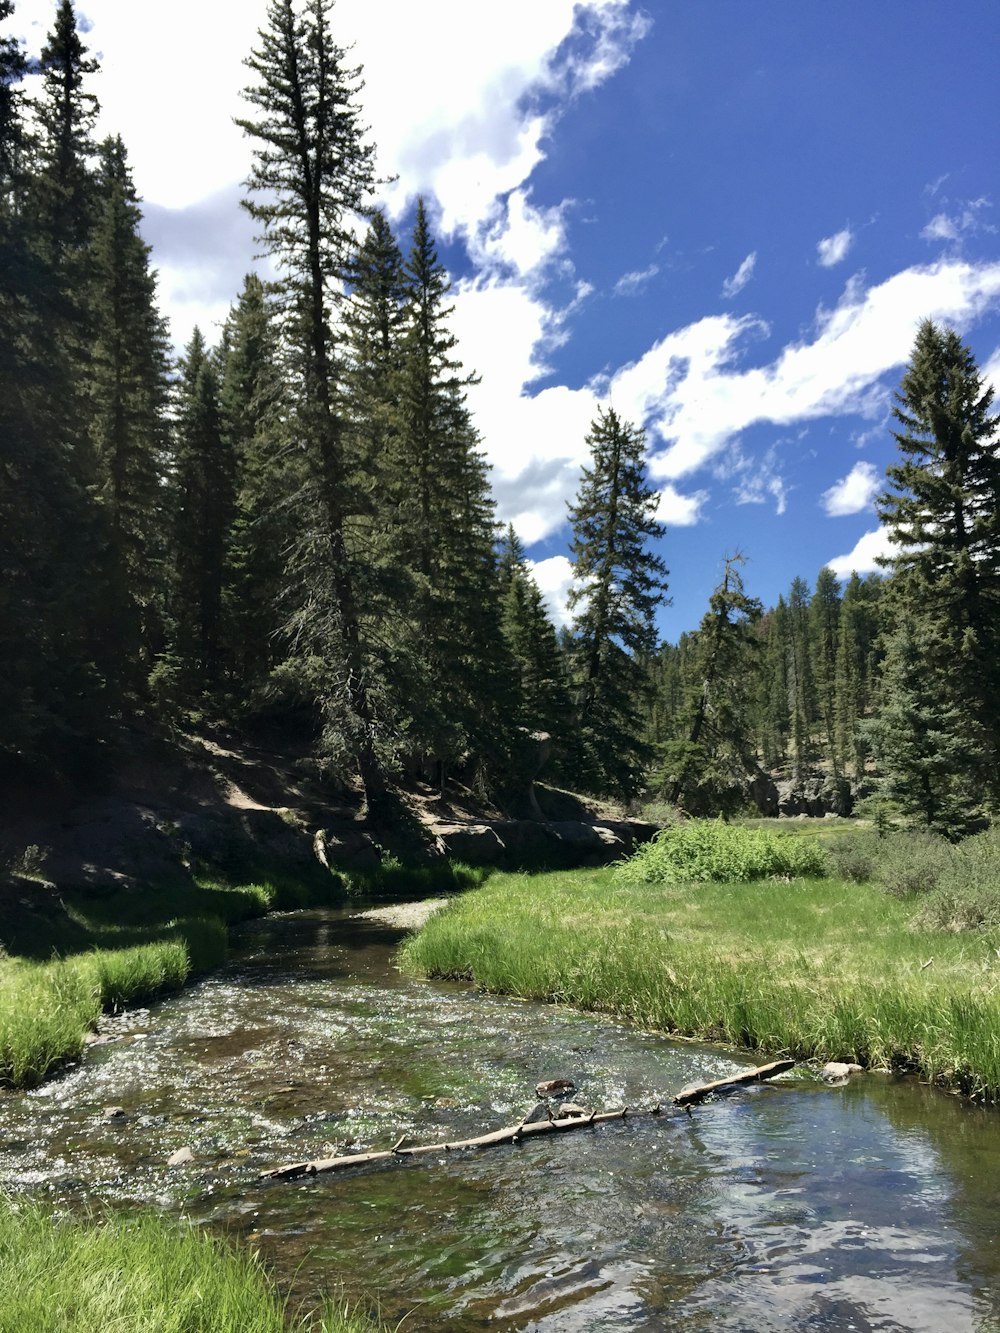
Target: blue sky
<point>726,219</point>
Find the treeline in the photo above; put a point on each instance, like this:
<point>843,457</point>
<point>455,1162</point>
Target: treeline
<point>790,690</point>
<point>297,522</point>
<point>892,683</point>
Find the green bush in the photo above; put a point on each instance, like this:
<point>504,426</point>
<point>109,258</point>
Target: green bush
<point>967,896</point>
<point>705,850</point>
<point>855,856</point>
<point>912,863</point>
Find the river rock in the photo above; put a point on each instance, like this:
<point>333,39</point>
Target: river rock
<point>115,1114</point>
<point>182,1157</point>
<point>837,1071</point>
<point>540,1111</point>
<point>554,1087</point>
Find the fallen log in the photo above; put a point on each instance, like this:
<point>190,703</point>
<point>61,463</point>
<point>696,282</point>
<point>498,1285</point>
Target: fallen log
<point>700,1091</point>
<point>515,1133</point>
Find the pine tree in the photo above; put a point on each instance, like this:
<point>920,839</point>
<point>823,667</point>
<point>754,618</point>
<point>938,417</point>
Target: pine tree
<point>127,390</point>
<point>858,656</point>
<point>312,175</point>
<point>544,703</point>
<point>942,511</point>
<point>801,687</point>
<point>824,618</point>
<point>49,690</point>
<point>619,583</point>
<point>706,769</point>
<point>204,512</point>
<point>457,661</point>
<point>252,405</point>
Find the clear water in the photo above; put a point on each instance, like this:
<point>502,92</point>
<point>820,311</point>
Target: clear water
<point>787,1206</point>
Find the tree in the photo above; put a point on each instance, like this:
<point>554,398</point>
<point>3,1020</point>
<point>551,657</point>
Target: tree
<point>619,583</point>
<point>459,669</point>
<point>204,512</point>
<point>942,512</point>
<point>705,770</point>
<point>824,618</point>
<point>127,388</point>
<point>858,658</point>
<point>312,175</point>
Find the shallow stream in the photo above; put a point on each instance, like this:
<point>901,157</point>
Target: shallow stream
<point>786,1206</point>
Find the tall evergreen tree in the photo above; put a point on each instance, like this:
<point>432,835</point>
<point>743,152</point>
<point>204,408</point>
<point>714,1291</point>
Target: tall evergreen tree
<point>824,618</point>
<point>942,512</point>
<point>312,175</point>
<point>205,484</point>
<point>127,390</point>
<point>619,582</point>
<point>252,405</point>
<point>857,664</point>
<point>706,769</point>
<point>801,686</point>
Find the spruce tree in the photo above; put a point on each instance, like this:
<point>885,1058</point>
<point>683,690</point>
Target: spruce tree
<point>706,769</point>
<point>312,176</point>
<point>203,514</point>
<point>457,657</point>
<point>619,582</point>
<point>252,415</point>
<point>127,390</point>
<point>858,656</point>
<point>942,511</point>
<point>824,618</point>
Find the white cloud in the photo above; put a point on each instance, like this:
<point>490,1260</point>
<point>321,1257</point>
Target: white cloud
<point>852,493</point>
<point>694,399</point>
<point>965,219</point>
<point>991,374</point>
<point>832,249</point>
<point>680,511</point>
<point>554,577</point>
<point>629,284</point>
<point>741,277</point>
<point>864,558</point>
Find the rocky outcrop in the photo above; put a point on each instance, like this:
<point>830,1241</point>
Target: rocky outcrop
<point>815,797</point>
<point>564,842</point>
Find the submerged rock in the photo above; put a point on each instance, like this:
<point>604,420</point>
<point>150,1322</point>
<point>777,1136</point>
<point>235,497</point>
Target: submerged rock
<point>182,1157</point>
<point>837,1071</point>
<point>554,1087</point>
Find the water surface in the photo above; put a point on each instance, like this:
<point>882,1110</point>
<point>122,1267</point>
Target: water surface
<point>787,1206</point>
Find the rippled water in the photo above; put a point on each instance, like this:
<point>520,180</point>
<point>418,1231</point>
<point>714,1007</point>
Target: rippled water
<point>788,1206</point>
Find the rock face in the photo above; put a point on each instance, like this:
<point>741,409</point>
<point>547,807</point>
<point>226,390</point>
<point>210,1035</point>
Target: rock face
<point>814,797</point>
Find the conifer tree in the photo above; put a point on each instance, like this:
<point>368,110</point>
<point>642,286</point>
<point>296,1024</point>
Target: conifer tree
<point>619,582</point>
<point>204,512</point>
<point>457,656</point>
<point>857,664</point>
<point>312,175</point>
<point>252,405</point>
<point>705,770</point>
<point>801,687</point>
<point>942,512</point>
<point>824,617</point>
<point>127,389</point>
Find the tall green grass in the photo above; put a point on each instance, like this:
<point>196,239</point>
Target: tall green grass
<point>807,968</point>
<point>138,1275</point>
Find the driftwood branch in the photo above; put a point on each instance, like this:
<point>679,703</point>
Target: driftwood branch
<point>702,1090</point>
<point>515,1133</point>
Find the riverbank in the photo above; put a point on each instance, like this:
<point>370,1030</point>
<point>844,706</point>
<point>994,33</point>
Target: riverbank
<point>140,1274</point>
<point>814,969</point>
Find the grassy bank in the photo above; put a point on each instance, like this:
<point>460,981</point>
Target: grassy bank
<point>807,967</point>
<point>140,1275</point>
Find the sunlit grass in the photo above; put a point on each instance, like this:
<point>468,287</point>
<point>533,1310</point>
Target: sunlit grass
<point>139,1275</point>
<point>806,968</point>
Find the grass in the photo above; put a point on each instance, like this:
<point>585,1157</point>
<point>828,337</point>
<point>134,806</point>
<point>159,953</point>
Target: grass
<point>805,968</point>
<point>139,1275</point>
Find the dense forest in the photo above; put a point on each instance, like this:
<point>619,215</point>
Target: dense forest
<point>295,526</point>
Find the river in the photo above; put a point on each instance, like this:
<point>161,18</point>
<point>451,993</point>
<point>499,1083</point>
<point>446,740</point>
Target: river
<point>786,1206</point>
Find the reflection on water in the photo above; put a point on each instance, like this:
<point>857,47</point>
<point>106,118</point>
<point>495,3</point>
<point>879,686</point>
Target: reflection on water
<point>791,1206</point>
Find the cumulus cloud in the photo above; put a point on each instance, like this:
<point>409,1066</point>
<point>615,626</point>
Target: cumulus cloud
<point>677,510</point>
<point>554,577</point>
<point>832,249</point>
<point>741,277</point>
<point>852,493</point>
<point>864,558</point>
<point>991,374</point>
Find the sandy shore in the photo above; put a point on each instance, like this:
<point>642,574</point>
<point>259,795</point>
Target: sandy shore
<point>406,916</point>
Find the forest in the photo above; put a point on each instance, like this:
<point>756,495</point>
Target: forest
<point>294,529</point>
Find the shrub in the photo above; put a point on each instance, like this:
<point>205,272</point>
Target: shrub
<point>912,863</point>
<point>855,856</point>
<point>967,896</point>
<point>705,850</point>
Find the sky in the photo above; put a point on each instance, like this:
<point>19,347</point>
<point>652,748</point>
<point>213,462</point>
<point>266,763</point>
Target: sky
<point>725,220</point>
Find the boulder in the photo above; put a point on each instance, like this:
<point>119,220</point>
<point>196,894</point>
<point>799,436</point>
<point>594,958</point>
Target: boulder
<point>479,844</point>
<point>837,1071</point>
